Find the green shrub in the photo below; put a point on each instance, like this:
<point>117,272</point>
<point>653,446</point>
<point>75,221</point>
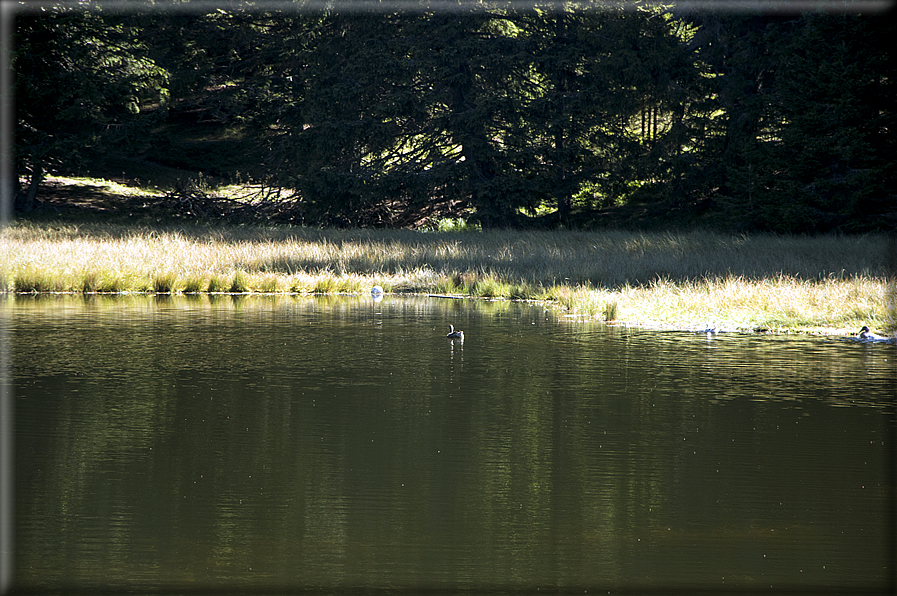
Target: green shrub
<point>111,285</point>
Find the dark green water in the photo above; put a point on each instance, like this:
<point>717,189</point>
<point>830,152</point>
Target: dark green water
<point>275,444</point>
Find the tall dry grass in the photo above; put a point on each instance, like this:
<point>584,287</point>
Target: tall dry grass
<point>777,282</point>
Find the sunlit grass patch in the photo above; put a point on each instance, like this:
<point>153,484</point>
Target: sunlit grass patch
<point>359,284</point>
<point>301,284</point>
<point>636,278</point>
<point>489,286</point>
<point>34,280</point>
<point>194,284</point>
<point>103,185</point>
<point>111,284</point>
<point>326,284</point>
<point>562,295</point>
<point>268,284</point>
<point>592,302</point>
<point>455,225</point>
<point>583,300</point>
<point>445,285</point>
<point>781,303</point>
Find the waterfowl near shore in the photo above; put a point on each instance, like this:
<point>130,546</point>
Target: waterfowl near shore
<point>867,335</point>
<point>452,334</point>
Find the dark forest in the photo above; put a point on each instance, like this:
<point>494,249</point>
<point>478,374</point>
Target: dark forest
<point>555,116</point>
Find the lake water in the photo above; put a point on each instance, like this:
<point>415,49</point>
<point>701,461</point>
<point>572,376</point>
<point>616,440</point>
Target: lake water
<point>334,444</point>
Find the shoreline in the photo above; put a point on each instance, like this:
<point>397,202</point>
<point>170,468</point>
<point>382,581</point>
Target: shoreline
<point>719,328</point>
<point>684,281</point>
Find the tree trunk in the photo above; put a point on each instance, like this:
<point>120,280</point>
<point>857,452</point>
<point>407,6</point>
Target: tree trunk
<point>25,201</point>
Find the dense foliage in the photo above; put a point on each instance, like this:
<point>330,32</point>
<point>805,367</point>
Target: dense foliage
<point>502,116</point>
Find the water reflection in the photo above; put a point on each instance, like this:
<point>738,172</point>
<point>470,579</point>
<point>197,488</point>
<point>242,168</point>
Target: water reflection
<point>296,442</point>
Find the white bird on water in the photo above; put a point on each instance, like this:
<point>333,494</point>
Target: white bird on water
<point>452,334</point>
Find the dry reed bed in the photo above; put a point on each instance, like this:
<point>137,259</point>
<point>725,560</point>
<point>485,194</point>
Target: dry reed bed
<point>681,280</point>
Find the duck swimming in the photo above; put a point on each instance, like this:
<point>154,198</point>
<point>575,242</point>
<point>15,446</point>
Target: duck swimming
<point>865,334</point>
<point>452,334</point>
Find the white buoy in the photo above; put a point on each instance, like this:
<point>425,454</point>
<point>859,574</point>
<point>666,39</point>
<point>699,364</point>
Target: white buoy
<point>376,290</point>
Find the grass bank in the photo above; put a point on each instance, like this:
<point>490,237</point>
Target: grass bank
<point>679,280</point>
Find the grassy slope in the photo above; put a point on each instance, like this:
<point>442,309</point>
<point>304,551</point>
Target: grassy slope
<point>679,280</point>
